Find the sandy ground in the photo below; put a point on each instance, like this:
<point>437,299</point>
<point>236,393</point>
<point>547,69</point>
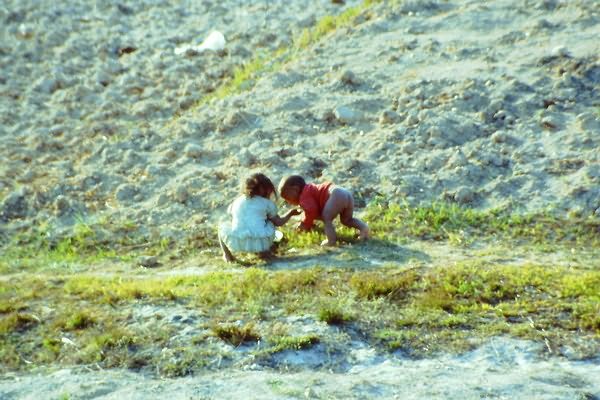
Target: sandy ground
<point>488,105</point>
<point>502,369</point>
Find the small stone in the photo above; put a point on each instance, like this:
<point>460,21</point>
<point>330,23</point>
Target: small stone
<point>47,85</point>
<point>193,150</point>
<point>411,120</point>
<point>409,148</point>
<point>125,192</point>
<point>349,78</point>
<point>464,195</point>
<point>345,115</point>
<point>181,194</point>
<point>500,137</point>
<point>61,205</point>
<point>389,117</point>
<point>14,206</point>
<point>148,262</point>
<point>560,51</point>
<point>235,118</point>
<point>162,199</point>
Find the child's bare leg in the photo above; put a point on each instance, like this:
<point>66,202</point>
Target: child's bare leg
<point>337,202</point>
<point>347,219</point>
<point>227,256</point>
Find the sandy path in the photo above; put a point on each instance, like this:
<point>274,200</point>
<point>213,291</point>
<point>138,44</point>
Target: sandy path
<point>501,369</point>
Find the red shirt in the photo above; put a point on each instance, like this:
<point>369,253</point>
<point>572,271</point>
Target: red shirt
<point>312,200</point>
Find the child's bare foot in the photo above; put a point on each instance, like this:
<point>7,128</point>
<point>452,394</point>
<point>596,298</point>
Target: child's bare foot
<point>365,233</point>
<point>326,242</point>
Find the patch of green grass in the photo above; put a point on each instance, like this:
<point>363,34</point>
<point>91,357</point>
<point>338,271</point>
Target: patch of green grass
<point>370,285</point>
<point>79,320</point>
<point>236,335</point>
<point>462,225</point>
<point>52,344</point>
<point>17,322</point>
<point>110,345</point>
<point>281,343</point>
<point>417,311</point>
<point>333,315</point>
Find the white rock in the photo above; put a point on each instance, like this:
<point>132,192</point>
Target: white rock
<point>215,41</point>
<point>345,115</point>
<point>500,137</point>
<point>560,51</point>
<point>193,150</point>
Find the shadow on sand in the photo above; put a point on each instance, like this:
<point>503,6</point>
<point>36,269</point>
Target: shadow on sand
<point>351,254</point>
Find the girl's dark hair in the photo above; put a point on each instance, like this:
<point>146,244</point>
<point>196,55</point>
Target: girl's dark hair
<point>255,182</point>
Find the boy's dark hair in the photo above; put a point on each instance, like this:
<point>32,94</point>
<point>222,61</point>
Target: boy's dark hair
<point>255,182</point>
<point>292,180</point>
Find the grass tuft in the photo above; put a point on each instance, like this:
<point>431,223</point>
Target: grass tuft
<point>281,343</point>
<point>236,335</point>
<point>333,315</point>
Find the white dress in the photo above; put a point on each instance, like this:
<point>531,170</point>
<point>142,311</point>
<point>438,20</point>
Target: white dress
<point>249,229</point>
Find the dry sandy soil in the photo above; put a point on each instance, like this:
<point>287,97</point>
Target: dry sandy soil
<point>486,104</point>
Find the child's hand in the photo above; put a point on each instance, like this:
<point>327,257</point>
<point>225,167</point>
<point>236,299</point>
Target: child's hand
<point>295,211</point>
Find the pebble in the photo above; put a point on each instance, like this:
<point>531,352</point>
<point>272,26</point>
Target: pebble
<point>181,194</point>
<point>61,205</point>
<point>348,77</point>
<point>193,150</point>
<point>464,195</point>
<point>14,206</point>
<point>388,117</point>
<point>125,192</point>
<point>500,137</point>
<point>148,262</point>
<point>345,115</point>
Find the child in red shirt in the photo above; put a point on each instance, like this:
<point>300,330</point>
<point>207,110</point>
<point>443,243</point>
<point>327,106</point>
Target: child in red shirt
<point>323,201</point>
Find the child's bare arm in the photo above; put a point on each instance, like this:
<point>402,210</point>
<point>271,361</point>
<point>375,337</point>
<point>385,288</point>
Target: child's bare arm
<point>278,221</point>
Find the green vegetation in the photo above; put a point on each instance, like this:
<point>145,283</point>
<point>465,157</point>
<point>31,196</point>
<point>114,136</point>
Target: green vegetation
<point>281,343</point>
<point>236,335</point>
<point>416,310</point>
<point>333,315</point>
<point>391,225</point>
<point>446,221</point>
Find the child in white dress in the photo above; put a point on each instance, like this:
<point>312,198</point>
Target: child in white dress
<point>253,219</point>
